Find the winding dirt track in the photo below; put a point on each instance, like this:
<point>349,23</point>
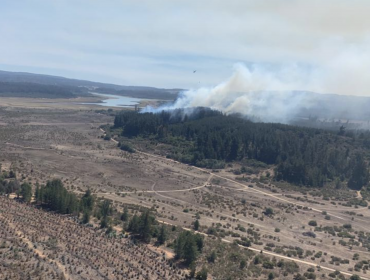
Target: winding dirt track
<point>24,147</point>
<point>264,193</point>
<point>171,191</point>
<point>274,254</point>
<point>245,187</point>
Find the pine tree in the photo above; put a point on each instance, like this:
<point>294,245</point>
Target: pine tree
<point>190,250</point>
<point>86,217</point>
<point>125,216</point>
<point>37,193</point>
<point>212,257</point>
<point>105,208</point>
<point>179,245</point>
<point>87,201</point>
<point>188,246</point>
<point>199,241</point>
<point>234,149</point>
<point>196,224</point>
<point>104,222</point>
<point>146,226</point>
<point>134,224</point>
<point>162,237</point>
<point>360,173</point>
<point>72,203</point>
<point>105,211</point>
<point>26,192</point>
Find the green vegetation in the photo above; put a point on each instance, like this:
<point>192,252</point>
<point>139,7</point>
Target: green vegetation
<point>126,147</point>
<point>207,138</point>
<point>26,192</point>
<point>8,182</point>
<point>196,224</point>
<point>162,236</point>
<point>35,90</point>
<point>125,216</point>
<point>312,223</point>
<point>56,197</point>
<point>269,211</point>
<point>202,274</point>
<point>87,206</point>
<point>142,227</point>
<point>105,211</point>
<point>188,246</point>
<point>53,196</point>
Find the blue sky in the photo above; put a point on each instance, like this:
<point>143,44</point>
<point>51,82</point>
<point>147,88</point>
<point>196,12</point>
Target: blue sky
<point>160,43</point>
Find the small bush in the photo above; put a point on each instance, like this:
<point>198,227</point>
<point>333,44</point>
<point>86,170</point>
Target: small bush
<point>312,223</point>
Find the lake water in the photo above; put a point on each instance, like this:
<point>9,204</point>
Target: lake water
<point>116,100</point>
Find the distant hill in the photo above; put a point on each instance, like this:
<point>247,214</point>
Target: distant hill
<point>33,90</point>
<point>73,84</point>
<point>332,111</point>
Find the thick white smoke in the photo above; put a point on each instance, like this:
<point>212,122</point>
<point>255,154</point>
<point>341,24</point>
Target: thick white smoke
<point>254,92</point>
<point>280,95</point>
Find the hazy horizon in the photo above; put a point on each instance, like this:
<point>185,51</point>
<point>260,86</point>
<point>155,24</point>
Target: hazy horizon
<point>314,45</point>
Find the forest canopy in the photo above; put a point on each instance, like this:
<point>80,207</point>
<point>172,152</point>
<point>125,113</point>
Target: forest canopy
<point>208,138</point>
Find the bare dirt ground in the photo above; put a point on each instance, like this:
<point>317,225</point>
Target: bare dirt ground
<point>50,246</point>
<point>42,141</point>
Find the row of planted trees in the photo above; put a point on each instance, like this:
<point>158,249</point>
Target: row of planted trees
<point>187,245</point>
<point>141,225</point>
<point>52,196</point>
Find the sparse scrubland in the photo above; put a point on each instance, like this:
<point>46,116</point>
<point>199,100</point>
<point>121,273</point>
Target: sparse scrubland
<point>243,201</point>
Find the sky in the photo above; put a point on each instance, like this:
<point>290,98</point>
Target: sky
<point>312,45</point>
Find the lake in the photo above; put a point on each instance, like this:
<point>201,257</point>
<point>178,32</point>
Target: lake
<point>116,100</point>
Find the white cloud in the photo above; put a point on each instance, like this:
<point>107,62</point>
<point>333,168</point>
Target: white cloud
<point>324,44</point>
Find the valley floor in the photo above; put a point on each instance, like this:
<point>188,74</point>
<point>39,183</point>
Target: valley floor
<point>66,143</point>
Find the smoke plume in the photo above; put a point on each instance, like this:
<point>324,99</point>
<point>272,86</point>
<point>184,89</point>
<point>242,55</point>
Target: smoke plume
<point>290,92</point>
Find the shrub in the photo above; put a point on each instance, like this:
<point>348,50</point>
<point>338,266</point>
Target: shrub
<point>309,234</point>
<point>312,223</point>
<point>268,265</point>
<point>269,211</point>
<point>212,257</point>
<point>127,148</point>
<point>202,274</point>
<point>243,264</point>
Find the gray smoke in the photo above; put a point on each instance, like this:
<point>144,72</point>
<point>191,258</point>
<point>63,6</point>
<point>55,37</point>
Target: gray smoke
<point>253,92</point>
<point>279,95</point>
